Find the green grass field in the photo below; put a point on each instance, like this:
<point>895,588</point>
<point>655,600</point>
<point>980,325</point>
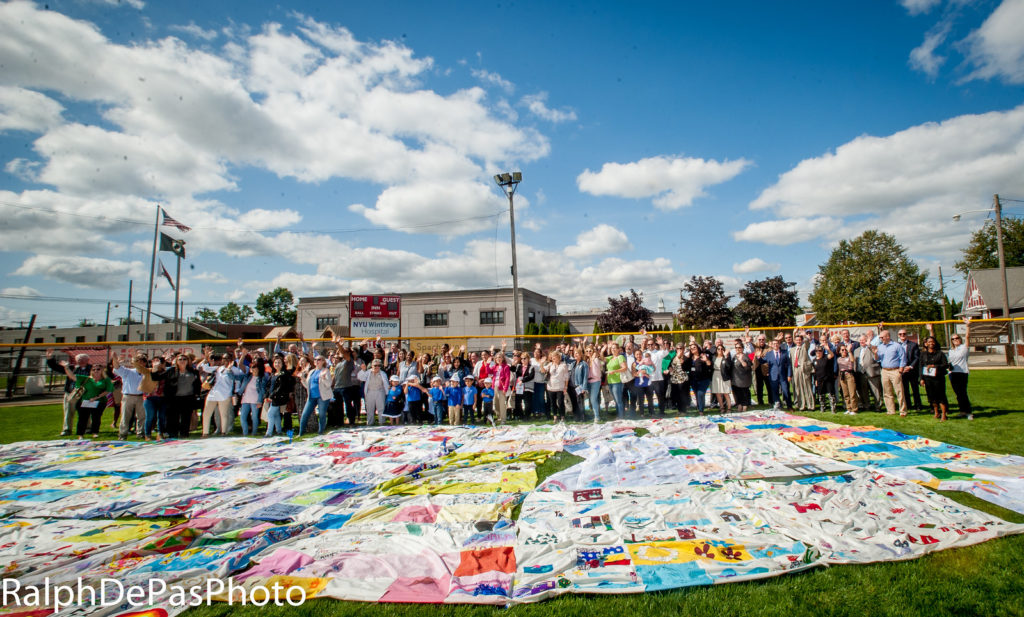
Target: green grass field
<point>984,579</point>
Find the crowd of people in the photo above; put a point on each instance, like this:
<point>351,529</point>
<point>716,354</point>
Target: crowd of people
<point>307,388</point>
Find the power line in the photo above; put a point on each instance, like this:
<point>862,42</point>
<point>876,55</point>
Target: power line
<point>104,301</point>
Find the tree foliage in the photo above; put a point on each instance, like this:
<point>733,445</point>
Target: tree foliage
<point>625,314</point>
<point>276,307</point>
<point>705,304</point>
<point>206,314</point>
<point>768,302</point>
<point>870,279</point>
<point>235,314</point>
<point>982,251</point>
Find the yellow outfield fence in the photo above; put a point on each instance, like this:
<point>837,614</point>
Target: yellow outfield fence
<point>425,343</point>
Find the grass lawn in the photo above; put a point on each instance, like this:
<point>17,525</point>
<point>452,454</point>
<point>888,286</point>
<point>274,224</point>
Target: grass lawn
<point>984,579</point>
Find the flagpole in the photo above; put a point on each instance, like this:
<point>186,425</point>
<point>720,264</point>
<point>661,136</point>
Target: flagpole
<point>177,291</point>
<point>152,268</point>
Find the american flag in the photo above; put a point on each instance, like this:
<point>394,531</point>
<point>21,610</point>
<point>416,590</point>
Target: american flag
<point>173,222</point>
<point>166,274</point>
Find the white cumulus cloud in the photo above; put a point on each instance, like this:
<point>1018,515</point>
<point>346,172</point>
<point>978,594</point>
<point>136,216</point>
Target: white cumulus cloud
<point>755,264</point>
<point>672,181</point>
<point>26,110</point>
<point>996,49</point>
<point>537,105</point>
<point>81,271</point>
<point>601,240</point>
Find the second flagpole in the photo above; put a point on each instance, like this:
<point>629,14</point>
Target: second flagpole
<point>152,267</point>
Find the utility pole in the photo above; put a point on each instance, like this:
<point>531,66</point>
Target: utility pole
<point>1010,356</point>
<point>128,324</point>
<point>12,383</point>
<point>942,292</point>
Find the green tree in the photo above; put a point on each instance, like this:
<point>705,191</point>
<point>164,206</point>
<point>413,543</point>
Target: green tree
<point>870,279</point>
<point>206,314</point>
<point>982,251</point>
<point>626,314</point>
<point>233,313</point>
<point>768,302</point>
<point>277,307</point>
<point>705,304</point>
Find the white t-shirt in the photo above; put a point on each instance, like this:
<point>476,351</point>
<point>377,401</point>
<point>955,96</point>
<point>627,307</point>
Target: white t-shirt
<point>958,359</point>
<point>657,356</point>
<point>538,376</point>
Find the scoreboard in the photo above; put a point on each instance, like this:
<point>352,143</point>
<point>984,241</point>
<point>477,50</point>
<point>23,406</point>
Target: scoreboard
<point>375,307</point>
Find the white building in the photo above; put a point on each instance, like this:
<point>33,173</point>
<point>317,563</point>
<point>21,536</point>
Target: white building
<point>463,313</point>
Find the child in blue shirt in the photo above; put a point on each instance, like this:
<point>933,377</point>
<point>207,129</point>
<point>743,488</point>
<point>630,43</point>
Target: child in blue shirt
<point>454,394</point>
<point>414,394</point>
<point>395,401</point>
<point>468,392</point>
<point>437,399</point>
<point>487,398</point>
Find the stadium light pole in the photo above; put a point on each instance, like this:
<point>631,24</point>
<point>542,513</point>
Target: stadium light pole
<point>508,183</point>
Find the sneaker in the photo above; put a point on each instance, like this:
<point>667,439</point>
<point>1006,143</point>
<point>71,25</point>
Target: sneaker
<point>970,416</point>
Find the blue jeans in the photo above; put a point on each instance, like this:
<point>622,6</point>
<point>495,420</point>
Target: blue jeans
<point>616,389</point>
<point>321,405</point>
<point>540,405</point>
<point>250,410</point>
<point>274,420</point>
<point>154,406</point>
<point>438,409</point>
<point>700,388</point>
<point>594,388</point>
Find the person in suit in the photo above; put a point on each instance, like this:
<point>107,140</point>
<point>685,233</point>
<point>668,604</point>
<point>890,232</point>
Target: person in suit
<point>800,357</point>
<point>779,376</point>
<point>912,371</point>
<point>869,374</point>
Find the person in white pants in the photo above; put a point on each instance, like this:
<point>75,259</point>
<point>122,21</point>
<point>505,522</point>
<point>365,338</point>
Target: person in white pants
<point>375,386</point>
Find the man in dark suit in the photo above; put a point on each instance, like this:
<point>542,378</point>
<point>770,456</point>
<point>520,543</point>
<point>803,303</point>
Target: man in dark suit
<point>912,371</point>
<point>779,376</point>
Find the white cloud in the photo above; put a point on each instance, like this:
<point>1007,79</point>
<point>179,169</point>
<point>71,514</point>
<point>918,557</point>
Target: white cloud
<point>674,181</point>
<point>211,277</point>
<point>494,79</point>
<point>20,291</point>
<point>786,231</point>
<point>81,271</point>
<point>755,264</point>
<point>996,49</point>
<point>192,29</point>
<point>601,240</point>
<point>25,110</point>
<point>923,57</point>
<point>537,106</point>
<point>135,4</point>
<point>916,7</point>
<point>909,184</point>
<point>275,100</point>
<point>10,317</point>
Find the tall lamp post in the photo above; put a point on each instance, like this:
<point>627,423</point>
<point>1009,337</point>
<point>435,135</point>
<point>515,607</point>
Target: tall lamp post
<point>998,207</point>
<point>508,183</point>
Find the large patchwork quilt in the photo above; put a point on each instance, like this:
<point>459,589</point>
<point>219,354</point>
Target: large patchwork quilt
<point>456,514</point>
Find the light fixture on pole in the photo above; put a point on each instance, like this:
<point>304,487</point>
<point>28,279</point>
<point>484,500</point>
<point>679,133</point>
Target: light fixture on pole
<point>998,208</point>
<point>508,183</point>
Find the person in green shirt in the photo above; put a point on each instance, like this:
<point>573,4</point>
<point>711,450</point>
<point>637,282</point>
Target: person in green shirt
<point>95,386</point>
<point>614,367</point>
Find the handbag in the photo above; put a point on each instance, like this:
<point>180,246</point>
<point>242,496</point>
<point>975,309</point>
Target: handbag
<point>76,396</point>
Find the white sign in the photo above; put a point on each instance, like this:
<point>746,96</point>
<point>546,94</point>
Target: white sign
<point>370,328</point>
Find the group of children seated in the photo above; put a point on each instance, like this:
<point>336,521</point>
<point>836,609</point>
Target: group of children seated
<point>406,401</point>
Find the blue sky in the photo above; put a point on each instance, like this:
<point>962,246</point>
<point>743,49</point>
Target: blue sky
<point>348,147</point>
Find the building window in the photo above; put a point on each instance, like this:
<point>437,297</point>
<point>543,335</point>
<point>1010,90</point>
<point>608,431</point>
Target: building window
<point>151,336</point>
<point>169,336</point>
<point>492,318</point>
<point>37,340</point>
<point>79,339</point>
<point>122,338</point>
<point>435,319</point>
<point>532,318</point>
<point>59,339</point>
<point>323,322</point>
<point>101,339</point>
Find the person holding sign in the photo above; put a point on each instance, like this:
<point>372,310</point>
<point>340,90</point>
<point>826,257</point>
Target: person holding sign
<point>933,377</point>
